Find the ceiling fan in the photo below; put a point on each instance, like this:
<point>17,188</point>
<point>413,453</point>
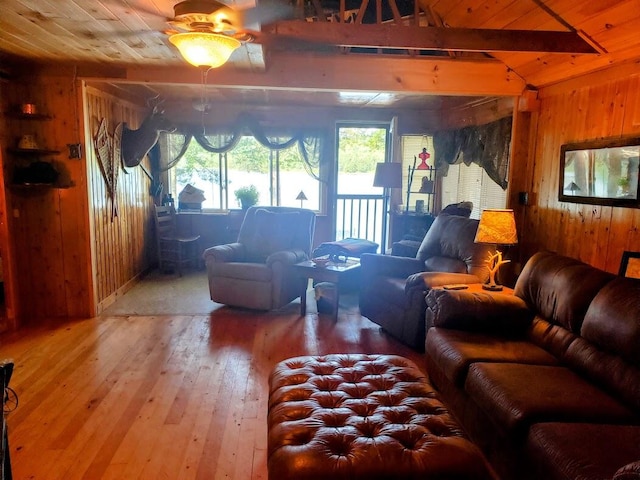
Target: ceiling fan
<point>215,17</point>
<point>207,31</point>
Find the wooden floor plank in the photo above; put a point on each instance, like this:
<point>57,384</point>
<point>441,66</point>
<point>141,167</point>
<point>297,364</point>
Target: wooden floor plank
<point>162,397</point>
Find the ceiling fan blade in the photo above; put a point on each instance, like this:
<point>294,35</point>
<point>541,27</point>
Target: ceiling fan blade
<point>266,12</point>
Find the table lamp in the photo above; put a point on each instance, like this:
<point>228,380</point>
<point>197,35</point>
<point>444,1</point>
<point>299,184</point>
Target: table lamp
<point>302,197</point>
<point>498,227</point>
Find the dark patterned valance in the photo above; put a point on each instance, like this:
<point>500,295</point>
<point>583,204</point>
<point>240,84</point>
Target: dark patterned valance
<point>487,145</point>
<point>224,139</point>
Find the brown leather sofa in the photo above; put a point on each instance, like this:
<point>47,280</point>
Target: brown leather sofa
<point>254,272</point>
<point>393,288</point>
<point>545,381</point>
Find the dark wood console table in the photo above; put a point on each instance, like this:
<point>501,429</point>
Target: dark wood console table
<point>410,223</point>
<point>213,228</point>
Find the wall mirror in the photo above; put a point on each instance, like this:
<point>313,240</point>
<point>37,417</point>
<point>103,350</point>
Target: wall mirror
<point>630,265</point>
<point>602,172</point>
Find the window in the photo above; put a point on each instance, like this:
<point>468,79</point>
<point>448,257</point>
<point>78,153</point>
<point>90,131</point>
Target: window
<point>279,175</point>
<point>471,183</point>
<point>462,183</point>
<point>412,146</point>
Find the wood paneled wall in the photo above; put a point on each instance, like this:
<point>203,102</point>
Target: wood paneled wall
<point>69,257</point>
<point>122,244</point>
<point>50,261</point>
<point>604,104</point>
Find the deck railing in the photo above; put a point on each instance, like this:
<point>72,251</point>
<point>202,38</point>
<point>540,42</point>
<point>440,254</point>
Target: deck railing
<point>361,216</point>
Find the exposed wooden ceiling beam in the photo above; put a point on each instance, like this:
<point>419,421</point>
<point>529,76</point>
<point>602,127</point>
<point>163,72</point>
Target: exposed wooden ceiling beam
<point>433,38</point>
<point>423,75</point>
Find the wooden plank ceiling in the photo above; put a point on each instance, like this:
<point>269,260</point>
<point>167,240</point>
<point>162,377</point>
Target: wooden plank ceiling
<point>309,54</point>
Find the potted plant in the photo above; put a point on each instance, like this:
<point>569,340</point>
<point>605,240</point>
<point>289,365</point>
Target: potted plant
<point>247,196</point>
<point>623,186</point>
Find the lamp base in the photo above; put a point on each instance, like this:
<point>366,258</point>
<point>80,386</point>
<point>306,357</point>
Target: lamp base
<point>492,287</point>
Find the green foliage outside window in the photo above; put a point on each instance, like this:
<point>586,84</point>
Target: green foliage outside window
<point>361,149</point>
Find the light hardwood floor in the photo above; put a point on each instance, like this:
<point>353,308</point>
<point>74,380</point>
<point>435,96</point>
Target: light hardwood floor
<point>161,397</point>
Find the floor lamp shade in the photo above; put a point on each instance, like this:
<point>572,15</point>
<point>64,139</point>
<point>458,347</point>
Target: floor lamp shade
<point>388,175</point>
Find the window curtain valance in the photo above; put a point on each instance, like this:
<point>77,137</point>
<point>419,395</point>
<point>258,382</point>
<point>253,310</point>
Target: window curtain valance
<point>224,139</point>
<point>486,145</point>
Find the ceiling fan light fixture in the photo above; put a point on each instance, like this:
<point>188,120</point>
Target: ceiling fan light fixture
<point>204,49</point>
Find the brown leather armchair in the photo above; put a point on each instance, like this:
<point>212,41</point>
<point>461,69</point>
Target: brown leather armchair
<point>254,272</point>
<point>392,294</point>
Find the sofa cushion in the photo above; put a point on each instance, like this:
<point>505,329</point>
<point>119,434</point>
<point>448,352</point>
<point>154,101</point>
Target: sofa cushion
<point>453,351</point>
<point>582,450</point>
<point>257,272</point>
<point>607,370</point>
<point>612,319</point>
<point>515,396</point>
<point>560,289</point>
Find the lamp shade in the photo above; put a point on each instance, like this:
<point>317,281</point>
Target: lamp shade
<point>388,175</point>
<point>301,196</point>
<point>204,49</point>
<point>497,226</point>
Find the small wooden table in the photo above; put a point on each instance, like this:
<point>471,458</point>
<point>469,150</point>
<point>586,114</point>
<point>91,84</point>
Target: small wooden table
<point>333,272</point>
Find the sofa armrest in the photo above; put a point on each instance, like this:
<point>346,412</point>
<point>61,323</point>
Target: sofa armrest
<point>477,312</point>
<point>231,252</point>
<point>389,266</point>
<point>428,280</point>
<point>628,472</point>
<point>287,257</point>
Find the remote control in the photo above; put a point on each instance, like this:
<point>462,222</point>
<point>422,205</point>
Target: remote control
<point>456,286</point>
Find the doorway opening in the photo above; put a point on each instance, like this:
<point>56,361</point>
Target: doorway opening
<point>360,208</point>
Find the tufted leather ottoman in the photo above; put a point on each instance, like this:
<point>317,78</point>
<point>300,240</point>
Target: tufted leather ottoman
<point>363,417</point>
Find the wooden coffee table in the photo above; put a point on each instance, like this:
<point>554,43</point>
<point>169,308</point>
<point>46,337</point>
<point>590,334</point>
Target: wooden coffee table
<point>333,272</point>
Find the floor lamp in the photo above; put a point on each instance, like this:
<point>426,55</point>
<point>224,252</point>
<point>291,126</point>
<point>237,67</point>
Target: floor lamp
<point>388,175</point>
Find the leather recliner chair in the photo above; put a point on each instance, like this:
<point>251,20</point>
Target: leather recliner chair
<point>254,272</point>
<point>409,245</point>
<point>392,293</point>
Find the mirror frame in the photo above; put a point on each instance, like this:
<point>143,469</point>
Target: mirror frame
<point>590,147</point>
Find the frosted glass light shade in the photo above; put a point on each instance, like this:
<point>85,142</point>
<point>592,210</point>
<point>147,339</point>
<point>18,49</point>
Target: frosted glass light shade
<point>497,226</point>
<point>204,49</point>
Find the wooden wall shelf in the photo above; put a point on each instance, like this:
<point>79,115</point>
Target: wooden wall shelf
<point>29,116</point>
<point>33,151</point>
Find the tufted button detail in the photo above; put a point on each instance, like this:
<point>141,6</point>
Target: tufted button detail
<point>369,428</point>
<point>329,399</point>
<point>361,409</point>
<point>325,384</point>
<point>360,417</point>
<point>336,419</point>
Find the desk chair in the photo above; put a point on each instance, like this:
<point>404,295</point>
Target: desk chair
<point>174,250</point>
